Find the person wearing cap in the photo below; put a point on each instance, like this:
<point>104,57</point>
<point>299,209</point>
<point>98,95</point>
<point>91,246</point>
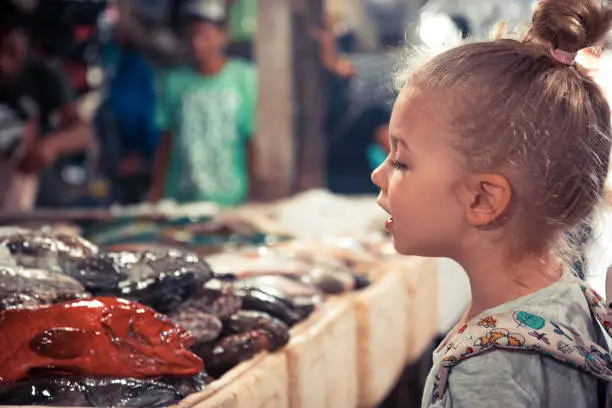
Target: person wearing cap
<point>207,112</point>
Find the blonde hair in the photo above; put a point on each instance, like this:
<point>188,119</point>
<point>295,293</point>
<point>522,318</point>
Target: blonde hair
<point>543,124</point>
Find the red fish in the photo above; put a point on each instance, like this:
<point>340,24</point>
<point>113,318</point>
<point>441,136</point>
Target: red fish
<point>103,336</point>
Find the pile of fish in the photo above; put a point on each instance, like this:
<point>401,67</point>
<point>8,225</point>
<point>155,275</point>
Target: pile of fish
<point>80,326</point>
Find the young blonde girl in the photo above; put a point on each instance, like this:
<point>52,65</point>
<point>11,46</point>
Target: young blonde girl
<point>498,150</point>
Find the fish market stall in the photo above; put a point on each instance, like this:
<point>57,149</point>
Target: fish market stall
<point>260,306</point>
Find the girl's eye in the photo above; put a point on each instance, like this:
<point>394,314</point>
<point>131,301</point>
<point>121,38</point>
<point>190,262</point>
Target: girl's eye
<point>397,165</point>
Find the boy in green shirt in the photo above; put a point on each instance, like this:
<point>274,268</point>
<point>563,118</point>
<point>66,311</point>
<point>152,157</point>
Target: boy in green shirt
<point>208,113</point>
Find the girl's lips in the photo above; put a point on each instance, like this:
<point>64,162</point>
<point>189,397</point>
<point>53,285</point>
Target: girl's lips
<point>389,224</point>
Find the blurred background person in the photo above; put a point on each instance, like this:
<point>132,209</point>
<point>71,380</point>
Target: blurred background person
<point>36,98</point>
<point>126,118</point>
<point>359,101</point>
<point>207,112</point>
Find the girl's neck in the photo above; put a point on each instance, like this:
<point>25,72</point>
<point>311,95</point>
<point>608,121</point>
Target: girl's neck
<point>495,280</point>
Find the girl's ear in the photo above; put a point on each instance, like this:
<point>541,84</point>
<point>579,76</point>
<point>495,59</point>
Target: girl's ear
<point>486,199</point>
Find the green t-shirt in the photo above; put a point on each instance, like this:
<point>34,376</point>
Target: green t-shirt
<point>211,119</point>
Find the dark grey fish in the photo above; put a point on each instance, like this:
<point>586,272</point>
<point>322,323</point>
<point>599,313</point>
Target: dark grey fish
<point>256,299</point>
<point>245,334</point>
<point>203,326</point>
<point>217,298</point>
<point>94,392</point>
<point>248,320</point>
<point>43,248</point>
<point>189,385</point>
<point>130,392</point>
<point>223,354</point>
<point>295,292</point>
<point>50,392</point>
<point>99,275</point>
<point>161,279</point>
<point>21,287</point>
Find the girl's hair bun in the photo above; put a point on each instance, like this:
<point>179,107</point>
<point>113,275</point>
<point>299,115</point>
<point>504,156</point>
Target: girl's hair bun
<point>571,25</point>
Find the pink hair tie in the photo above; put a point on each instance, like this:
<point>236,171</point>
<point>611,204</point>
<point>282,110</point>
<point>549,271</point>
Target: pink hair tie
<point>564,57</point>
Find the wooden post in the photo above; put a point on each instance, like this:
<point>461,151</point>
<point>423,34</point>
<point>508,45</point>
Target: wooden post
<point>310,88</point>
<point>273,144</point>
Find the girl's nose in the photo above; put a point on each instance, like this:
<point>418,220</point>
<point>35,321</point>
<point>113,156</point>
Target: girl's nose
<point>379,177</point>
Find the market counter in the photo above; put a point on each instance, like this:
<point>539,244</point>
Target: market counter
<point>349,353</point>
<point>382,330</point>
<point>257,383</point>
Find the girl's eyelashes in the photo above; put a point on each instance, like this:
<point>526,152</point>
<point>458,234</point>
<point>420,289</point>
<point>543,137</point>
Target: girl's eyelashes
<point>397,165</point>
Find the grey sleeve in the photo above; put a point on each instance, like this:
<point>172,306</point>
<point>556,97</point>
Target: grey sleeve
<point>506,379</point>
<point>486,381</point>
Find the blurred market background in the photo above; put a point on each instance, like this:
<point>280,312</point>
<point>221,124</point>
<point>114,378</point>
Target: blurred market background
<point>325,65</point>
<point>323,93</point>
<point>319,74</point>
